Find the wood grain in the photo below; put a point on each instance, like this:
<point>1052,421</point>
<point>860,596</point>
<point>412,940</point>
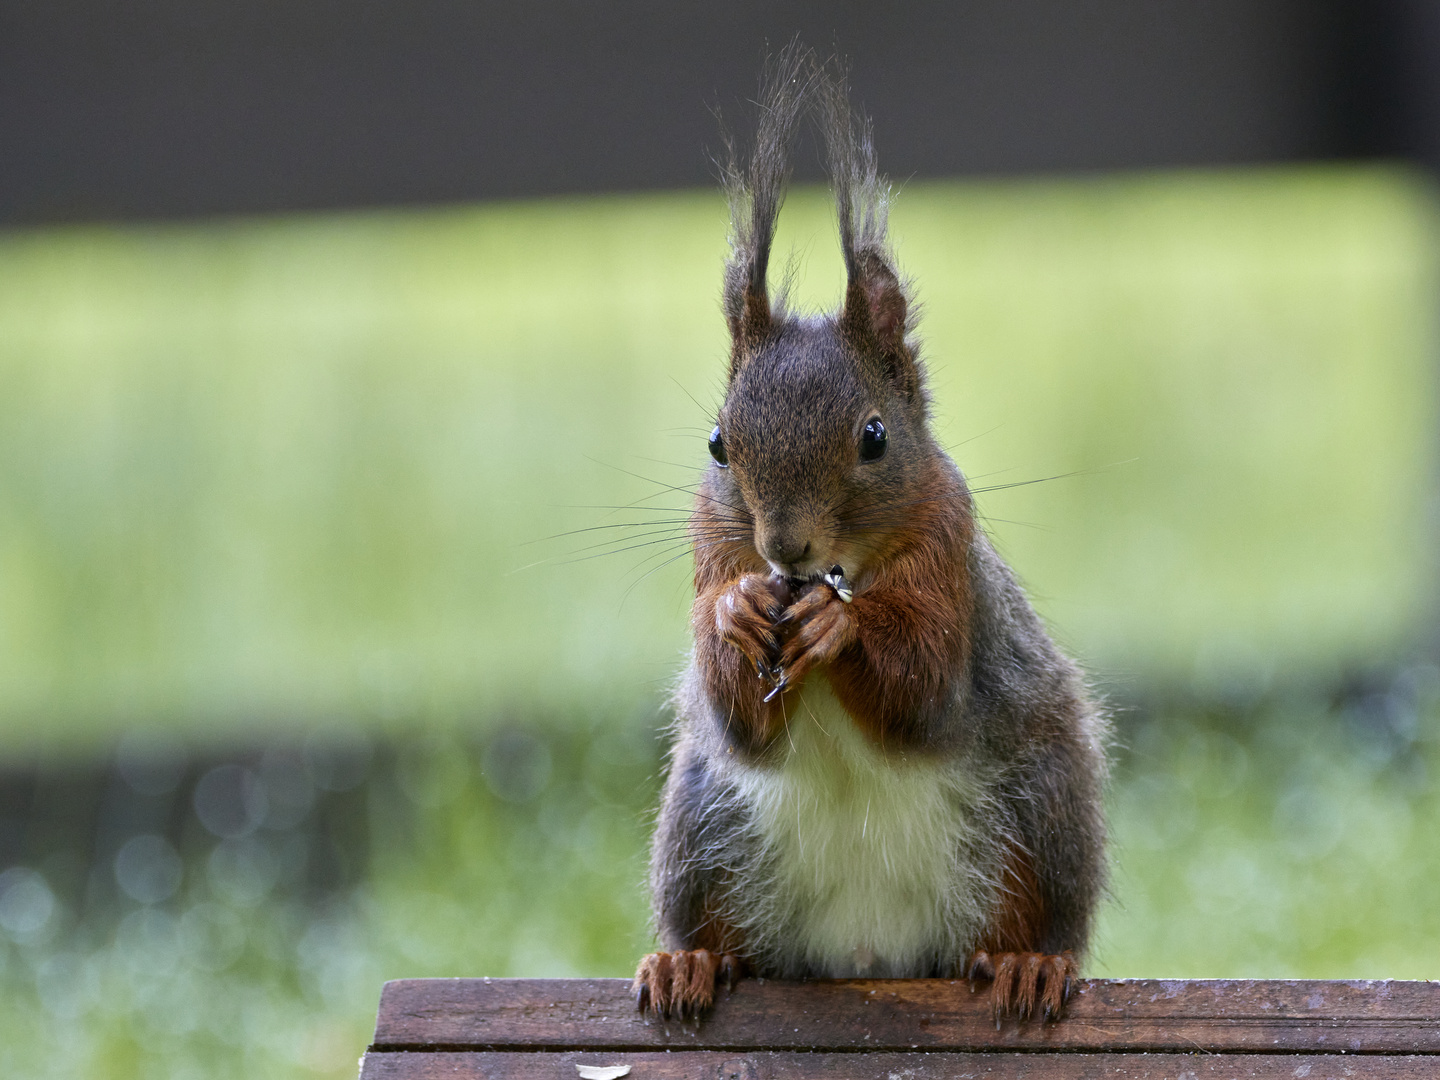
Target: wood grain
<point>1104,1016</point>
<point>791,1065</point>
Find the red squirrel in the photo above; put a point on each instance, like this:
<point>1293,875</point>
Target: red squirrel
<point>882,765</point>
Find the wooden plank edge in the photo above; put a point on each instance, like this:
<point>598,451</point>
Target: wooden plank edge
<point>799,1065</point>
<point>982,1051</point>
<point>1130,1016</point>
<point>975,1051</point>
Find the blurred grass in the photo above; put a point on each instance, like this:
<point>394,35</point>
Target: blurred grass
<point>1295,840</point>
<point>281,471</point>
<point>1291,843</point>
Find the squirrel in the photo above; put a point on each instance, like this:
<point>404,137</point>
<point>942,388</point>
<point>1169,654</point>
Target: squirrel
<point>882,766</point>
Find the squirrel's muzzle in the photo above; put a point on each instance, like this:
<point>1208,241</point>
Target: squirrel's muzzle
<point>790,550</point>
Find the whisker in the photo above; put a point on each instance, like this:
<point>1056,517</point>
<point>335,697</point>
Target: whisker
<point>947,447</point>
<point>1057,476</point>
<point>601,528</point>
<point>628,542</point>
<point>570,560</point>
<point>1027,483</point>
<point>678,555</point>
<point>891,503</point>
<point>630,506</point>
<point>692,397</point>
<point>687,465</point>
<point>1022,524</point>
<point>686,540</point>
<point>704,532</point>
<point>670,487</point>
<point>882,513</point>
<point>647,573</point>
<point>692,521</point>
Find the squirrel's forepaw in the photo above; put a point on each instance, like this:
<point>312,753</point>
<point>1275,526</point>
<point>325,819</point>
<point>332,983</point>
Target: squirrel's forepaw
<point>1021,981</point>
<point>819,627</point>
<point>745,616</point>
<point>682,983</point>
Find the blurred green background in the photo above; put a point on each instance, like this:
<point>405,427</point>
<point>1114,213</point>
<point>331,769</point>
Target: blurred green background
<point>410,484</point>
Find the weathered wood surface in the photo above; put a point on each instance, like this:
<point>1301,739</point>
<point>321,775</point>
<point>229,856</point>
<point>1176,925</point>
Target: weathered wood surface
<point>1103,1017</point>
<point>791,1065</point>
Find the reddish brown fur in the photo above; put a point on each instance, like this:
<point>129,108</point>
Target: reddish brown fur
<point>911,624</point>
<point>716,932</point>
<point>1019,920</point>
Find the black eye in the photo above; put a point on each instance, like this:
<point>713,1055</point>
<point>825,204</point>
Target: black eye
<point>872,441</point>
<point>717,448</point>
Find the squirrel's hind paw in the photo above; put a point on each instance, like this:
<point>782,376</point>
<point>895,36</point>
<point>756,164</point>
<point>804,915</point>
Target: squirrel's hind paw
<point>681,983</point>
<point>1023,981</point>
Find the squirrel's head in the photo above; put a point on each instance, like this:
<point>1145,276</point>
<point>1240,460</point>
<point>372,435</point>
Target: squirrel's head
<point>822,441</point>
<point>823,437</point>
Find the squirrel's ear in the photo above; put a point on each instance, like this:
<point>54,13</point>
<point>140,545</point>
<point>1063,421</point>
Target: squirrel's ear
<point>874,319</point>
<point>747,310</point>
<point>875,304</point>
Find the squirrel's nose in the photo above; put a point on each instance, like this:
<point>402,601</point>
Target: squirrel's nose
<point>788,550</point>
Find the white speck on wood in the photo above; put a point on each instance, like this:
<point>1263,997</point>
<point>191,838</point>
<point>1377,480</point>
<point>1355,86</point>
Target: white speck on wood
<point>602,1072</point>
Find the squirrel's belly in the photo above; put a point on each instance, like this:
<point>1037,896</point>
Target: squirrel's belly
<point>865,853</point>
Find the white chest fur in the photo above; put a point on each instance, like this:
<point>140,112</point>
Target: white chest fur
<point>865,850</point>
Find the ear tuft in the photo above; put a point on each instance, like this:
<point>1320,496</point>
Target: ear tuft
<point>876,307</point>
<point>755,184</point>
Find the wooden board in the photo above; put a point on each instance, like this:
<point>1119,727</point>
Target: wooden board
<point>792,1065</point>
<point>1124,1016</point>
<point>917,1029</point>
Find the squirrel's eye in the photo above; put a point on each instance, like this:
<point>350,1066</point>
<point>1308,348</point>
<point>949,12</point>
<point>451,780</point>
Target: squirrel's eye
<point>717,448</point>
<point>872,441</point>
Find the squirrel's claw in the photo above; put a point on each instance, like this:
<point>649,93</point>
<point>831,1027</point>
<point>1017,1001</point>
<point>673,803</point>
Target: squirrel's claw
<point>730,970</point>
<point>682,983</point>
<point>1024,982</point>
<point>980,967</point>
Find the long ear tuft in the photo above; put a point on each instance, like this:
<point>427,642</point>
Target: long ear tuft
<point>756,190</point>
<point>876,304</point>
